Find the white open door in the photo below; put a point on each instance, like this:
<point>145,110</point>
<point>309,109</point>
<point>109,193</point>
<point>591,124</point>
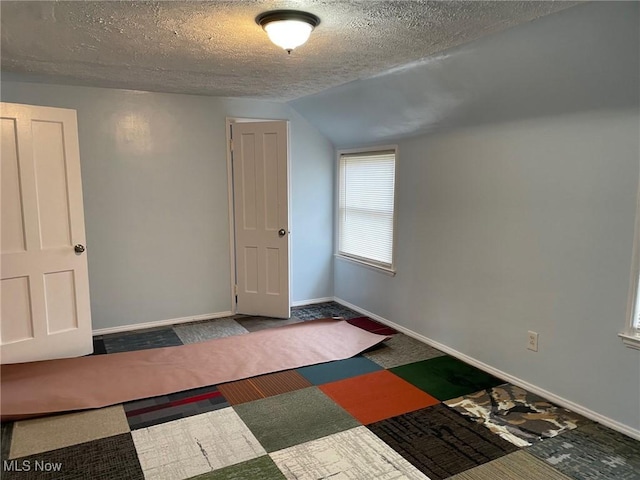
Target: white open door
<point>44,288</point>
<point>261,204</point>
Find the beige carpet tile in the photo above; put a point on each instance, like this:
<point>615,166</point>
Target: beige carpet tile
<point>353,454</point>
<point>49,433</point>
<point>203,331</point>
<point>195,445</point>
<point>515,466</point>
<point>401,349</point>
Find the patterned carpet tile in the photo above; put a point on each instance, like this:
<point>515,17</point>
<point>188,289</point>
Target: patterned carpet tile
<point>261,468</point>
<point>323,310</point>
<point>295,417</point>
<point>202,331</point>
<point>518,416</point>
<point>446,377</point>
<point>50,433</point>
<point>401,349</point>
<point>352,454</point>
<point>164,337</point>
<point>263,386</point>
<point>372,326</point>
<point>440,442</point>
<point>165,408</point>
<point>111,458</point>
<point>338,370</point>
<point>376,396</point>
<point>592,451</point>
<point>515,466</point>
<point>253,324</point>
<point>191,446</point>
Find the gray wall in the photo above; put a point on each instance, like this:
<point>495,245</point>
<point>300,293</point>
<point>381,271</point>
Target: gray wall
<point>580,59</point>
<point>154,178</point>
<point>517,179</point>
<point>515,227</point>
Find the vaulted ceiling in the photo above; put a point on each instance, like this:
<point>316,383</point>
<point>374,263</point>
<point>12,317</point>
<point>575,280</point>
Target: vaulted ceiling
<point>216,48</point>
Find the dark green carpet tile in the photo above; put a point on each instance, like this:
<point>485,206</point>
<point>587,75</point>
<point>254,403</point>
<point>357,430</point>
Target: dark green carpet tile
<point>446,377</point>
<point>592,451</point>
<point>111,458</point>
<point>5,440</point>
<point>128,342</point>
<point>295,417</point>
<point>338,370</point>
<point>261,468</point>
<point>440,442</point>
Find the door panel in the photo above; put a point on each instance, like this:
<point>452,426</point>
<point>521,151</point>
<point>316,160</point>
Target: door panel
<point>45,283</point>
<point>260,173</point>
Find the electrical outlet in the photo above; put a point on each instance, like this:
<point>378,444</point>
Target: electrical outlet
<point>532,341</point>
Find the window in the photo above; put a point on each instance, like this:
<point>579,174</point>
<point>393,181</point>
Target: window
<point>366,215</point>
<point>631,334</point>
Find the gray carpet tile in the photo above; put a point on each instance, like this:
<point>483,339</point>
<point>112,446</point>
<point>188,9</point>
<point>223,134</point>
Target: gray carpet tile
<point>591,451</point>
<point>253,324</point>
<point>111,458</point>
<point>128,342</point>
<point>6,429</point>
<point>295,417</point>
<point>203,331</point>
<point>401,349</point>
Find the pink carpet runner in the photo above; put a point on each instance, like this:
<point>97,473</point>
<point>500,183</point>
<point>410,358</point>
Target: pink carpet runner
<point>40,388</point>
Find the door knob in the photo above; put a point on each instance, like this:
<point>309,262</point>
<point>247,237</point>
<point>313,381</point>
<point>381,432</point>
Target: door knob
<point>282,232</point>
<point>79,248</point>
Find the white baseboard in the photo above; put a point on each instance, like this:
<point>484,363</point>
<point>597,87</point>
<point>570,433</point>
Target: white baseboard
<point>311,301</point>
<point>613,424</point>
<point>160,323</point>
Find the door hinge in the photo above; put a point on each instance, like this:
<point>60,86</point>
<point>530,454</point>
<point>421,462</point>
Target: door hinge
<point>235,289</point>
<point>231,145</point>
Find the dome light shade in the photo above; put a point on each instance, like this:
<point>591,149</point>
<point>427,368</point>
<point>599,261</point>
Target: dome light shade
<point>288,28</point>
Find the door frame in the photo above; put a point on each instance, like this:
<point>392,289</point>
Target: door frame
<point>229,121</point>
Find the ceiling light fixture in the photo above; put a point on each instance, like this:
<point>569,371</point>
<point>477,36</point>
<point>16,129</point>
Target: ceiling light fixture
<point>288,28</point>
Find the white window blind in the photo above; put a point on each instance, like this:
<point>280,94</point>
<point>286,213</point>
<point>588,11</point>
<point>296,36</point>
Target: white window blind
<point>366,206</point>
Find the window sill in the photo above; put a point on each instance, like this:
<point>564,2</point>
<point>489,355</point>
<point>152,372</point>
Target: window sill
<point>631,338</point>
<point>370,266</point>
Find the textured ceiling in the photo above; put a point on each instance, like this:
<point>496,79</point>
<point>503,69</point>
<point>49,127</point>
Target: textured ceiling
<point>216,48</point>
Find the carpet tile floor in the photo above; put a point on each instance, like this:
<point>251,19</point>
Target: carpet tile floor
<point>402,410</point>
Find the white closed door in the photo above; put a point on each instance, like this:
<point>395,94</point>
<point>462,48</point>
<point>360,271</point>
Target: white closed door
<point>44,289</point>
<point>261,204</point>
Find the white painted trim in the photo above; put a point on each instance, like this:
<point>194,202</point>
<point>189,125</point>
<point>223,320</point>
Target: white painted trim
<point>160,323</point>
<point>365,264</point>
<point>631,334</point>
<point>232,227</point>
<point>613,424</point>
<point>311,301</point>
<point>631,338</point>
